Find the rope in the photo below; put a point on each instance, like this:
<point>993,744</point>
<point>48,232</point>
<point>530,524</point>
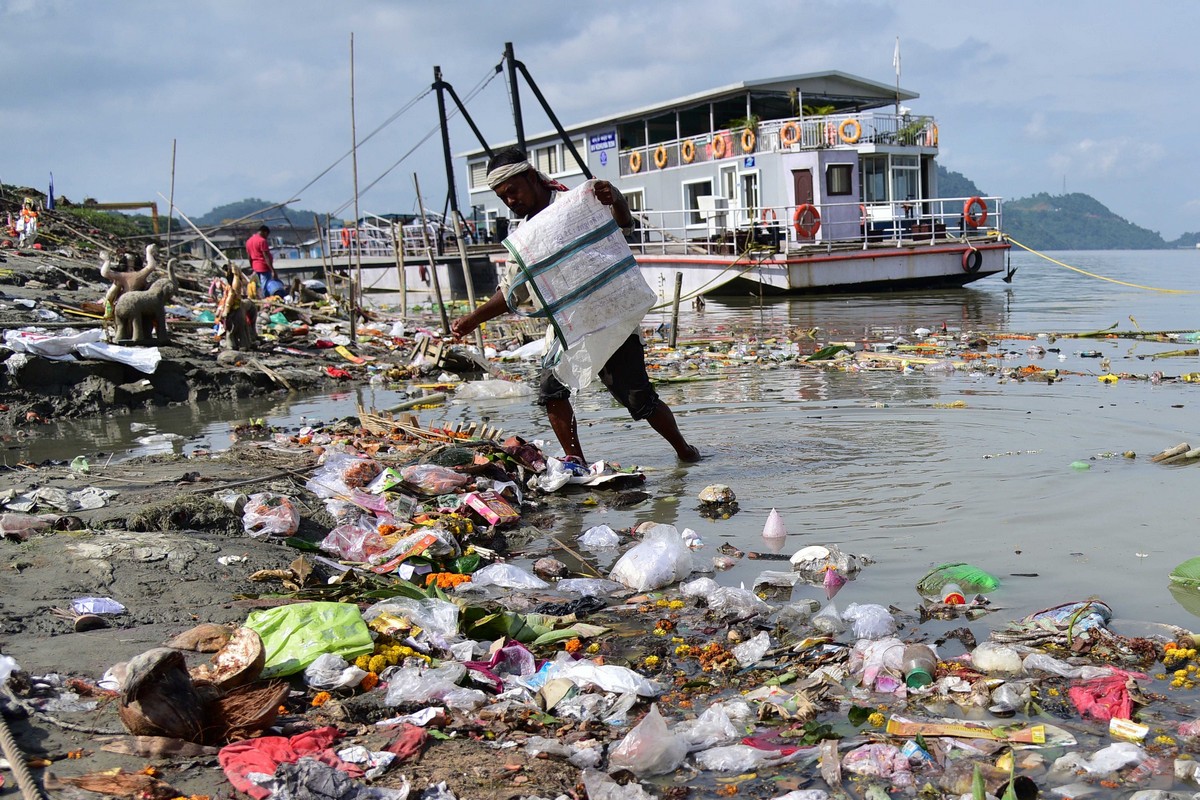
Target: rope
<point>714,279</point>
<point>1093,275</point>
<point>16,762</point>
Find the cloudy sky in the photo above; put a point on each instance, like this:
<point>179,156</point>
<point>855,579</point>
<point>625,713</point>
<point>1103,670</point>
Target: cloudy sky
<point>1029,96</point>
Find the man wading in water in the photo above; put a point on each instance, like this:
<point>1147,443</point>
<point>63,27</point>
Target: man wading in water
<point>526,192</point>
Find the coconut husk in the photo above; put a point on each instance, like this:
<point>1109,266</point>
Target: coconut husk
<point>118,783</point>
<point>246,710</point>
<point>158,697</point>
<point>205,638</point>
<point>154,747</point>
<point>239,662</point>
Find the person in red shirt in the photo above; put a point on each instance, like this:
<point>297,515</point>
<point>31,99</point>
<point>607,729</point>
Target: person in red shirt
<point>258,249</point>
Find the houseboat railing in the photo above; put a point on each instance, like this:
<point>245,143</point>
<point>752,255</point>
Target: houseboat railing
<point>375,236</point>
<point>865,225</point>
<point>786,135</point>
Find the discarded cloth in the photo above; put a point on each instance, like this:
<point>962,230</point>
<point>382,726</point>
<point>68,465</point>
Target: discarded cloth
<point>263,756</point>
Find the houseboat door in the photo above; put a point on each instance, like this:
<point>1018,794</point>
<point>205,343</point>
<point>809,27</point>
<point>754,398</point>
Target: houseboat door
<point>802,182</point>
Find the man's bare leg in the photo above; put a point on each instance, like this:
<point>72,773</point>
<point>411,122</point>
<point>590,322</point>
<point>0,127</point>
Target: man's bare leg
<point>663,422</point>
<point>562,421</point>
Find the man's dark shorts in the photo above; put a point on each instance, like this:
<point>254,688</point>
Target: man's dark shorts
<point>624,375</point>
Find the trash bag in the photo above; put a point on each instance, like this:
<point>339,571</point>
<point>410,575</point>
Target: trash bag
<point>434,480</point>
<point>599,538</point>
<point>270,514</point>
<point>330,671</point>
<point>294,635</point>
<point>971,579</point>
<point>507,576</point>
<point>751,652</point>
<point>990,657</point>
<point>730,601</point>
<point>421,685</point>
<point>660,559</point>
<point>650,748</point>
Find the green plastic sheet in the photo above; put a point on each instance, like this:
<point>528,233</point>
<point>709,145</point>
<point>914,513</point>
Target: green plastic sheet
<point>294,635</point>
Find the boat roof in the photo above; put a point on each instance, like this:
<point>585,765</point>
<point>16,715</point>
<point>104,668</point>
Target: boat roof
<point>832,87</point>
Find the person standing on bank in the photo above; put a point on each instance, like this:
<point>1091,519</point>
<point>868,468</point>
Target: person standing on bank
<point>258,249</point>
<point>526,192</point>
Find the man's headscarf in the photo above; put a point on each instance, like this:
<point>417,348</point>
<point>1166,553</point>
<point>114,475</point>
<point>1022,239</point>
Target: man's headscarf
<point>507,172</point>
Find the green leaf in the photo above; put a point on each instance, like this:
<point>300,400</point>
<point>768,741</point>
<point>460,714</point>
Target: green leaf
<point>554,636</point>
<point>826,353</point>
<point>978,788</point>
<point>436,734</point>
<point>858,715</point>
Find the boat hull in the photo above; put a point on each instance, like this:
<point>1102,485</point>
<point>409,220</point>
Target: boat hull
<point>892,268</point>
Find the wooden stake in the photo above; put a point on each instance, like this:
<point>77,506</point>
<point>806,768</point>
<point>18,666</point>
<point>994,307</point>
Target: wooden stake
<point>355,286</point>
<point>437,286</point>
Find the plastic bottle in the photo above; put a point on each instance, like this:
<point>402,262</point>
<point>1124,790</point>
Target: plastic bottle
<point>920,664</point>
<point>952,595</point>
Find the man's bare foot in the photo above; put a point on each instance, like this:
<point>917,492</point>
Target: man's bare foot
<point>690,456</point>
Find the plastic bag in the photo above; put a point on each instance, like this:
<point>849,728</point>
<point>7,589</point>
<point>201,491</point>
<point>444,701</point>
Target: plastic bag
<point>728,601</point>
<point>492,390</point>
<point>701,587</point>
<point>355,541</point>
<point>734,758</point>
<point>270,514</point>
<point>464,699</point>
<point>294,635</point>
<point>660,559</point>
<point>796,616</point>
<point>432,479</point>
<point>420,685</point>
<point>329,481</point>
<point>650,748</point>
<point>437,618</point>
<point>589,587</point>
<point>601,787</point>
<point>991,657</point>
<point>751,652</point>
<point>828,620</point>
<point>711,729</point>
<point>330,671</point>
<point>594,297</point>
<point>970,579</point>
<point>608,677</point>
<point>871,659</point>
<point>599,538</point>
<point>870,621</point>
<point>879,761</point>
<point>507,576</point>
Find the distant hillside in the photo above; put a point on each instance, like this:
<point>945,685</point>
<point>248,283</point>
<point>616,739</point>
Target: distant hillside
<point>245,208</point>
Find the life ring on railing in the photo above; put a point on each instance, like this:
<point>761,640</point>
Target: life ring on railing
<point>635,161</point>
<point>789,134</point>
<point>972,260</point>
<point>719,146</point>
<point>748,140</point>
<point>806,211</point>
<point>660,157</point>
<point>850,138</point>
<point>975,221</point>
<point>345,237</point>
<point>768,212</point>
<point>688,151</point>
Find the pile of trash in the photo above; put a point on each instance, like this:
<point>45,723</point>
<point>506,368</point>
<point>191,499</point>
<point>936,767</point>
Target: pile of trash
<point>409,627</point>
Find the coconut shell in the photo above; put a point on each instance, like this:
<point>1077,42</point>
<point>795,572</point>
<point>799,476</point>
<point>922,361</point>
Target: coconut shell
<point>239,662</point>
<point>206,638</point>
<point>246,710</point>
<point>119,783</point>
<point>158,697</point>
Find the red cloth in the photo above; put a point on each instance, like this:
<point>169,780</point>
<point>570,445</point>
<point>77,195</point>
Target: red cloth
<point>1104,698</point>
<point>409,743</point>
<point>335,372</point>
<point>266,754</point>
<point>258,249</point>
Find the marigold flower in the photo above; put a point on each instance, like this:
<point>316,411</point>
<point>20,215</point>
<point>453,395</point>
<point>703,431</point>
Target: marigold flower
<point>321,698</point>
<point>369,682</point>
<point>573,645</point>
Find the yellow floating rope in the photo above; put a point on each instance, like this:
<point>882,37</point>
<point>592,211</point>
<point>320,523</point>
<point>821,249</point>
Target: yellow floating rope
<point>1093,275</point>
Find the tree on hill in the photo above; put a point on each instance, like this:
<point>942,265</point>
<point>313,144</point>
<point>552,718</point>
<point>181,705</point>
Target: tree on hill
<point>955,184</point>
<point>252,209</point>
<point>1074,222</point>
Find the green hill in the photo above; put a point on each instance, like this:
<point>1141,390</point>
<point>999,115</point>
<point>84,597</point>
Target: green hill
<point>250,208</point>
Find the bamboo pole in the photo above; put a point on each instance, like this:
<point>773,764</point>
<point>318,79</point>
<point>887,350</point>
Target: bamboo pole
<point>437,286</point>
<point>324,265</point>
<point>675,310</point>
<point>402,280</point>
<point>466,268</point>
<point>198,231</point>
<point>356,285</point>
<point>171,202</point>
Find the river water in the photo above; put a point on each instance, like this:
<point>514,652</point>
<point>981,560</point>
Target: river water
<point>875,462</point>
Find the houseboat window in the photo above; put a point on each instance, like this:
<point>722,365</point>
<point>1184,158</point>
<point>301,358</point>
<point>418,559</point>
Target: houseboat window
<point>546,159</point>
<point>631,134</point>
<point>662,128</point>
<point>750,195</point>
<point>692,192</point>
<point>731,113</point>
<point>569,165</point>
<point>874,179</point>
<point>839,179</point>
<point>694,121</point>
<point>906,184</point>
<point>636,198</point>
<point>477,172</point>
<point>729,185</point>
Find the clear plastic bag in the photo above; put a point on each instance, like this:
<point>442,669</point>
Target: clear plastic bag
<point>600,537</point>
<point>507,576</point>
<point>268,514</point>
<point>711,729</point>
<point>660,559</point>
<point>419,685</point>
<point>331,671</point>
<point>991,657</point>
<point>734,758</point>
<point>589,587</point>
<point>728,601</point>
<point>355,541</point>
<point>492,390</point>
<point>438,618</point>
<point>870,621</point>
<point>432,479</point>
<point>828,620</point>
<point>650,748</point>
<point>751,652</point>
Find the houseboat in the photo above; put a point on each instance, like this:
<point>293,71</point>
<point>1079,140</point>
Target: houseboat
<point>812,183</point>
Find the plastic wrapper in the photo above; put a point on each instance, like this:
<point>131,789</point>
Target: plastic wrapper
<point>268,514</point>
<point>492,390</point>
<point>872,658</point>
<point>828,620</point>
<point>734,758</point>
<point>662,558</point>
<point>731,602</point>
<point>750,652</point>
<point>507,576</point>
<point>650,748</point>
<point>589,587</point>
<point>599,538</point>
<point>434,480</point>
<point>436,618</point>
<point>990,657</point>
<point>594,297</point>
<point>420,685</point>
<point>329,671</point>
<point>879,761</point>
<point>870,621</point>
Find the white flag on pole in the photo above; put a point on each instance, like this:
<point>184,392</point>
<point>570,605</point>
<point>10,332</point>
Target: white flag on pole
<point>896,58</point>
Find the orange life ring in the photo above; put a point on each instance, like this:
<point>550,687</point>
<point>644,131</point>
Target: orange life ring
<point>748,140</point>
<point>688,151</point>
<point>975,221</point>
<point>635,161</point>
<point>803,211</point>
<point>850,138</point>
<point>660,157</point>
<point>771,212</point>
<point>719,146</point>
<point>789,134</point>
